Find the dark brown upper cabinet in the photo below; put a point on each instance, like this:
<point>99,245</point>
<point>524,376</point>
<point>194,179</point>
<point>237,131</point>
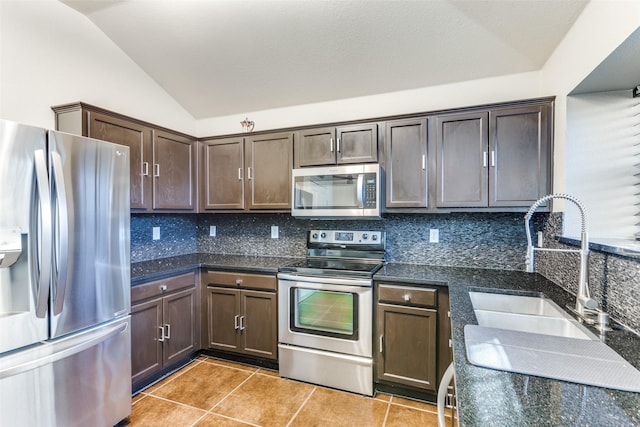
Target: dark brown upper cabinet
<point>493,159</point>
<point>222,174</point>
<point>252,173</point>
<point>519,155</point>
<point>174,174</point>
<point>405,162</point>
<point>336,145</point>
<point>269,160</point>
<point>462,165</point>
<point>138,138</point>
<point>162,173</point>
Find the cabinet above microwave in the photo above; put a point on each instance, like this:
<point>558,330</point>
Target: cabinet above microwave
<point>338,191</point>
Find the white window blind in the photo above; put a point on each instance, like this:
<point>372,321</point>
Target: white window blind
<point>603,164</point>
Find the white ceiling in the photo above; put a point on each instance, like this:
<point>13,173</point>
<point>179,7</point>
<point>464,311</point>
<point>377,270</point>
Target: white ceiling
<point>221,57</point>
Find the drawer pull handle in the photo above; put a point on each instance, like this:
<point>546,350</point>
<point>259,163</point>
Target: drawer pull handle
<point>407,297</point>
<point>162,337</point>
<point>242,323</point>
<point>168,335</point>
<point>381,347</point>
<point>238,282</point>
<point>163,288</point>
<point>235,321</point>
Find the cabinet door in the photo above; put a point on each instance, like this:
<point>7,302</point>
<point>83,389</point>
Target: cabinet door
<point>357,144</point>
<point>224,318</point>
<point>269,162</point>
<point>315,147</point>
<point>259,327</point>
<point>407,346</point>
<point>406,163</point>
<point>173,172</point>
<point>138,139</point>
<point>519,155</point>
<point>461,144</point>
<point>222,174</point>
<point>179,321</point>
<point>146,349</point>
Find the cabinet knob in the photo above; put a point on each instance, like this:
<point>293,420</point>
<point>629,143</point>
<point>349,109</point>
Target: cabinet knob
<point>407,297</point>
<point>163,288</point>
<point>238,282</point>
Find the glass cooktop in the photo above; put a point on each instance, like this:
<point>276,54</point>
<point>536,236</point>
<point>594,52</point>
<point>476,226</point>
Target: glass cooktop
<point>332,267</point>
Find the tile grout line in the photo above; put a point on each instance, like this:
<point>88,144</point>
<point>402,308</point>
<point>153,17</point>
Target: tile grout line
<point>230,393</point>
<point>301,406</point>
<point>172,376</point>
<point>386,414</point>
<point>177,403</point>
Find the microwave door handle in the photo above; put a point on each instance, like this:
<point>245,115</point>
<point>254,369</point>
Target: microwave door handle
<point>360,185</point>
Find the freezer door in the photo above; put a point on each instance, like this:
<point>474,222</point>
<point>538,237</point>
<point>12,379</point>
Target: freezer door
<point>80,380</point>
<point>25,236</point>
<point>90,199</point>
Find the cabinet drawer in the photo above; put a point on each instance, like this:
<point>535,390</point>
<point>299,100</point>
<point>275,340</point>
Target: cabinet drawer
<point>405,295</point>
<point>163,286</point>
<point>242,280</point>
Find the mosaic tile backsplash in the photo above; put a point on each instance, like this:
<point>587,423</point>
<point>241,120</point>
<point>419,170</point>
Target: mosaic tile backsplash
<point>482,240</point>
<point>614,281</point>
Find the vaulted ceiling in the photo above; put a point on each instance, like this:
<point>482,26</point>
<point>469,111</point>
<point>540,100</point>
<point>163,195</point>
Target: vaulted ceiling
<point>220,57</point>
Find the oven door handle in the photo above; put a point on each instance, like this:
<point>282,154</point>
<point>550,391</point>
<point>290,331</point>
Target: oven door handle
<point>326,280</point>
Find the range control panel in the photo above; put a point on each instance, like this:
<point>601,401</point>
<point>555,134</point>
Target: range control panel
<point>345,237</point>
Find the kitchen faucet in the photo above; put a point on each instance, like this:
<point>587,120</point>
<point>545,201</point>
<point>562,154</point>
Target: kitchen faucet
<point>585,305</point>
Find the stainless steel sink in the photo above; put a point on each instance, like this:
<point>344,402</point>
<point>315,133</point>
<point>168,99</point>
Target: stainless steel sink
<point>557,326</point>
<point>531,335</point>
<point>533,314</point>
<point>539,306</point>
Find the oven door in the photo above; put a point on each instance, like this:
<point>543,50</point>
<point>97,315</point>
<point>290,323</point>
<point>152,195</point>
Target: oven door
<point>325,313</point>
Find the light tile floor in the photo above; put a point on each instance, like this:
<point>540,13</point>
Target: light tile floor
<point>212,392</point>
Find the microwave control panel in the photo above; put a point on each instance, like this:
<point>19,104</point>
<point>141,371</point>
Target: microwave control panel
<point>370,191</point>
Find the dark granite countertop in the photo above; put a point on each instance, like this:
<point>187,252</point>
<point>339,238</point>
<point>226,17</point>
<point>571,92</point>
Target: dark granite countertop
<point>484,396</point>
<point>498,398</point>
<point>145,271</point>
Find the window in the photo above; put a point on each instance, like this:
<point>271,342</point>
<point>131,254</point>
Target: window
<point>603,164</point>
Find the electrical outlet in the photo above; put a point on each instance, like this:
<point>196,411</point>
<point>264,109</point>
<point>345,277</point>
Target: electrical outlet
<point>275,233</point>
<point>156,233</point>
<point>434,235</point>
<point>213,230</point>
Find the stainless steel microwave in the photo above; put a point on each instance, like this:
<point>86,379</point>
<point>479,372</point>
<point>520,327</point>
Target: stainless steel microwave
<point>338,191</point>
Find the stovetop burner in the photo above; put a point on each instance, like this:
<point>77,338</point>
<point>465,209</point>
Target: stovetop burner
<point>332,267</point>
<point>341,253</point>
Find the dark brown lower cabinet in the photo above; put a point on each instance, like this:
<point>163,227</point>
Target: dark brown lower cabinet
<point>407,345</point>
<point>411,336</point>
<point>242,320</point>
<point>163,326</point>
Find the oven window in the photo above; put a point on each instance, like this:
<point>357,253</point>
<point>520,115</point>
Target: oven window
<point>325,313</point>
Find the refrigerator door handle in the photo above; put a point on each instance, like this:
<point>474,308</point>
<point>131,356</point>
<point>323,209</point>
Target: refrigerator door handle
<point>43,244</point>
<point>63,232</point>
<point>67,352</point>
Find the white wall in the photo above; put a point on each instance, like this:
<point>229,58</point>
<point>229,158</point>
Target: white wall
<point>51,54</point>
<point>468,93</point>
<point>599,30</point>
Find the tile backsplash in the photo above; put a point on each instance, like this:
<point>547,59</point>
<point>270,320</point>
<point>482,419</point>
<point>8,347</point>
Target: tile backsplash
<point>482,240</point>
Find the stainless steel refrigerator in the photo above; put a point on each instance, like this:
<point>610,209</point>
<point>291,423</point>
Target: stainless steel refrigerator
<point>65,346</point>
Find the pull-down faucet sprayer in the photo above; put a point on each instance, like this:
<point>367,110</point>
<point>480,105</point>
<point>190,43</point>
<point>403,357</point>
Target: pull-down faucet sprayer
<point>584,303</point>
